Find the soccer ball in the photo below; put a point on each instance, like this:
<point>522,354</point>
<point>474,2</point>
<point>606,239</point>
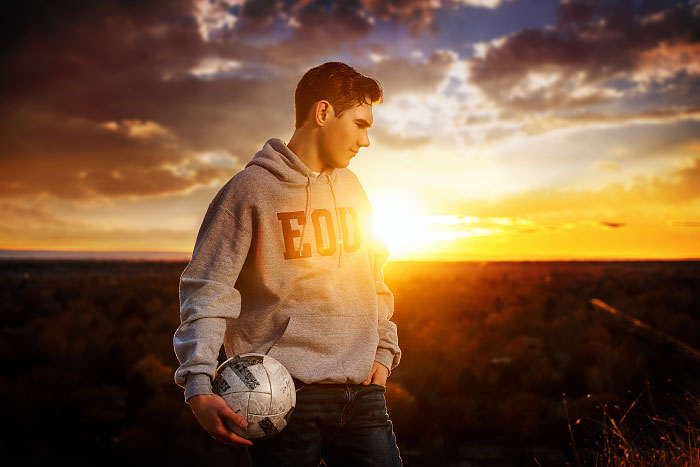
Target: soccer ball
<point>260,389</point>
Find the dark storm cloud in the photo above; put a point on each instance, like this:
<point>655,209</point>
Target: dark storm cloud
<point>592,44</point>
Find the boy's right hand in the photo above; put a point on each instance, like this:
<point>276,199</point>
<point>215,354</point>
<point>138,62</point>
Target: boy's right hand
<point>211,410</point>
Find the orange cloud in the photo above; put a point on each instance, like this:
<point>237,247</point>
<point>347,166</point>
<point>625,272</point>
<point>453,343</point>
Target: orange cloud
<point>666,60</point>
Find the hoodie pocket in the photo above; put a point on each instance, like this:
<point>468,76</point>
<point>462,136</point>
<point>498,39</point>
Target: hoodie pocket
<point>328,348</point>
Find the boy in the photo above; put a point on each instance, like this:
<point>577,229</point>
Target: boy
<point>286,264</point>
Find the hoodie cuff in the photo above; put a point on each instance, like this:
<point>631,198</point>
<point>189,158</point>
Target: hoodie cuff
<point>385,357</point>
<point>196,385</point>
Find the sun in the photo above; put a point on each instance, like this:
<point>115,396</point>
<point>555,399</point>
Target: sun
<point>395,217</point>
<point>411,234</point>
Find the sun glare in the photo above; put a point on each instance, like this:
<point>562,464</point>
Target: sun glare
<point>393,222</point>
<point>410,234</point>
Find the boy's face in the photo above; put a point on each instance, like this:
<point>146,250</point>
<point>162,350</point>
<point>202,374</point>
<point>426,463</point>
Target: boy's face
<point>343,136</point>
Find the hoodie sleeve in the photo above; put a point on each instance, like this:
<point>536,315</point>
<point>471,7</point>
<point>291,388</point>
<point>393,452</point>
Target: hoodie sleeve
<point>388,351</point>
<point>208,296</point>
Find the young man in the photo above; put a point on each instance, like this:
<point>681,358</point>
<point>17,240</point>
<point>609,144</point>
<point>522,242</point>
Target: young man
<point>286,263</point>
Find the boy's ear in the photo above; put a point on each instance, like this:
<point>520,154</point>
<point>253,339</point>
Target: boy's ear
<point>322,111</point>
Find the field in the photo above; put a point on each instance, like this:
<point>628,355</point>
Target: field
<point>503,364</point>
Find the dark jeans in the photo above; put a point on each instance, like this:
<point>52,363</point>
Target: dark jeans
<point>343,424</point>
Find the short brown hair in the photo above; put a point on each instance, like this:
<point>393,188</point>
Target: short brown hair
<point>340,84</point>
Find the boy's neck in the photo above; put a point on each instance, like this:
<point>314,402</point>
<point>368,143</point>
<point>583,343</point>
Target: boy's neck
<point>303,144</point>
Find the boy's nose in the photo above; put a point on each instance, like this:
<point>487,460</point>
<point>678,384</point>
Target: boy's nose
<point>364,141</point>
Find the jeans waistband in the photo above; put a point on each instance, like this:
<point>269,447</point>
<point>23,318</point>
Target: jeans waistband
<point>300,384</point>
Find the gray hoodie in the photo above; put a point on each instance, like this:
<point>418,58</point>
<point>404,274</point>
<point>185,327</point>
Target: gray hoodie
<point>286,263</point>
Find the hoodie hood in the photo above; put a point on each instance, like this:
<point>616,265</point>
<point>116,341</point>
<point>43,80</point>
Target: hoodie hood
<point>279,160</point>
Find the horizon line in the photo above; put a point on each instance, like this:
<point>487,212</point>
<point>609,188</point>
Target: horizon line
<point>144,255</point>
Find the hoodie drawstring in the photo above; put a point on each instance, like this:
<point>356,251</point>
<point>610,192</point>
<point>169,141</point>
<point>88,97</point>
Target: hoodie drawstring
<point>306,210</point>
<point>337,216</point>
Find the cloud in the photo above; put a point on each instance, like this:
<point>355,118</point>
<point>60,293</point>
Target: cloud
<point>219,19</point>
<point>418,15</point>
<point>608,166</point>
<point>122,99</point>
<point>127,97</point>
<point>23,227</point>
<point>80,159</point>
<point>582,119</point>
<point>406,76</point>
<point>23,214</point>
<point>316,32</point>
<point>119,99</point>
<point>612,225</point>
<point>510,124</point>
<point>666,61</point>
<point>136,128</point>
<point>678,188</point>
<point>684,223</point>
<point>576,63</point>
<point>397,141</point>
<point>214,16</point>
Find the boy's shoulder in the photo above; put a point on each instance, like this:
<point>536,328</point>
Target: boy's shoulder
<point>351,180</point>
<point>346,173</point>
<point>239,189</point>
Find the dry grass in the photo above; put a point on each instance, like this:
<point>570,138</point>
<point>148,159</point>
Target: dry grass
<point>636,438</point>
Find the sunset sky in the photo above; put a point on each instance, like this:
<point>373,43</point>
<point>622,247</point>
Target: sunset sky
<point>510,129</point>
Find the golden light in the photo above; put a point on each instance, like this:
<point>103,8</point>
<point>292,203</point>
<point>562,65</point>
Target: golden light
<point>393,222</point>
<point>409,234</point>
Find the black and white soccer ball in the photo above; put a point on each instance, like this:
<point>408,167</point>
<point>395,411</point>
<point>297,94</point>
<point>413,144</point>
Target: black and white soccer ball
<point>260,389</point>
